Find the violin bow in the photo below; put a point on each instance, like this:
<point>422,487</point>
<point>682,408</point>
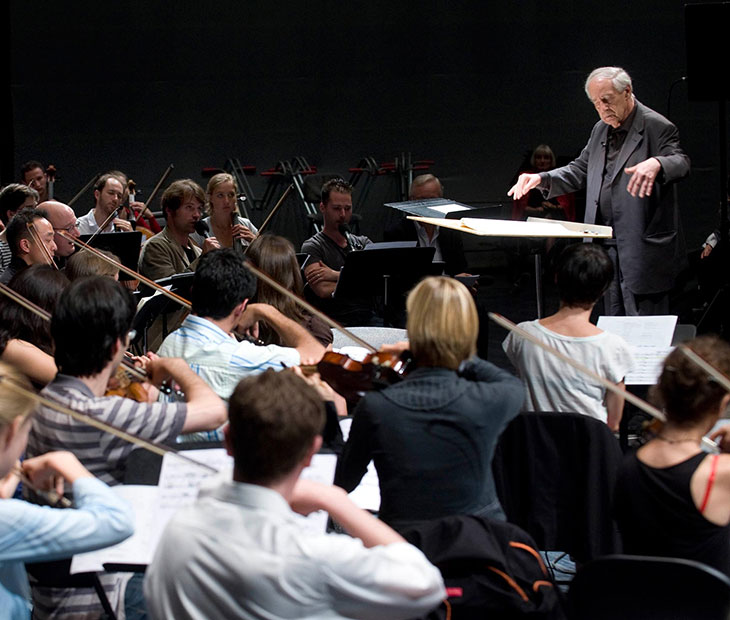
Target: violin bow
<point>51,496</point>
<point>104,224</point>
<point>272,213</point>
<point>154,192</point>
<point>83,190</point>
<point>307,306</point>
<point>155,448</point>
<point>39,242</point>
<point>137,276</point>
<point>633,399</point>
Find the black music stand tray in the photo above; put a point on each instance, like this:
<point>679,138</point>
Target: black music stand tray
<point>368,273</point>
<point>125,245</point>
<point>159,306</point>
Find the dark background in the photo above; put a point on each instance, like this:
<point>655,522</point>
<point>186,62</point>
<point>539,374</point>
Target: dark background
<point>471,85</point>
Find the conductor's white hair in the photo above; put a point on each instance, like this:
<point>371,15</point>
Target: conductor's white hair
<point>619,78</point>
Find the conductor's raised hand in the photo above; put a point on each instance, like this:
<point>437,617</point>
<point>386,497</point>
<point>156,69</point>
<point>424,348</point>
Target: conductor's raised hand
<point>525,183</point>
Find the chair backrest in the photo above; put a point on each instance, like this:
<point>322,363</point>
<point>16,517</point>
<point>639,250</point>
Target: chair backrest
<point>644,588</point>
<point>376,336</point>
<point>555,474</point>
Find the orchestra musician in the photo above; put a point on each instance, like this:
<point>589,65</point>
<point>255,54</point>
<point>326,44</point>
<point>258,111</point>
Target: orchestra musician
<point>433,435</point>
<point>63,219</point>
<point>30,237</point>
<point>33,174</point>
<point>108,196</point>
<point>222,288</point>
<point>223,219</point>
<point>13,197</point>
<point>672,499</point>
<point>173,250</point>
<point>265,564</point>
<point>31,533</point>
<point>90,328</point>
<point>327,252</point>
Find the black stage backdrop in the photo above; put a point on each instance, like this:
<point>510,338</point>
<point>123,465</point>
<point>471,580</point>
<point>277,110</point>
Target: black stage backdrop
<point>472,85</point>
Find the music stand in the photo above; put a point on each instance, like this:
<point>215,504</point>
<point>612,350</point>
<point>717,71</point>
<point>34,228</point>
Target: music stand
<point>367,273</point>
<point>159,306</point>
<point>125,245</point>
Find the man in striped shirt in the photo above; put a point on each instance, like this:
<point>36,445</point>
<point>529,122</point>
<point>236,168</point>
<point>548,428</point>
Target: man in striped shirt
<point>90,328</point>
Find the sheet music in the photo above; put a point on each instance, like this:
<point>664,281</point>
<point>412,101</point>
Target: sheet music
<point>450,207</point>
<point>178,487</point>
<point>650,340</point>
<point>138,548</point>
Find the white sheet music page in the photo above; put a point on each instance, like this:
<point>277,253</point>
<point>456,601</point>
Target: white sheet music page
<point>650,339</point>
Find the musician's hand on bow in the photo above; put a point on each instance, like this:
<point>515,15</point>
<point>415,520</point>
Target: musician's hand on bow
<point>643,176</point>
<point>239,231</point>
<point>49,471</point>
<point>525,183</point>
<point>140,207</point>
<point>121,224</point>
<point>210,244</point>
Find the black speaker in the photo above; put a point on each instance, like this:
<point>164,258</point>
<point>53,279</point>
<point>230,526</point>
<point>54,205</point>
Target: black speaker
<point>707,29</point>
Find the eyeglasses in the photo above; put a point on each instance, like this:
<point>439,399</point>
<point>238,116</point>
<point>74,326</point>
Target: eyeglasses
<point>67,229</point>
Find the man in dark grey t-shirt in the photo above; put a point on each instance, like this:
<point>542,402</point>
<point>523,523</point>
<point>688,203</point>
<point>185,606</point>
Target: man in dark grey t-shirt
<point>329,249</point>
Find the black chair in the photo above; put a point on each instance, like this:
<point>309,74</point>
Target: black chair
<point>555,474</point>
<point>648,588</point>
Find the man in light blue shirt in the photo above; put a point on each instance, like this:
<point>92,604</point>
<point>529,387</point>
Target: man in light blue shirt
<point>221,291</point>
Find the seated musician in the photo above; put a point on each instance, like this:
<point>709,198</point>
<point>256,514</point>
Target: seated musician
<point>90,328</point>
<point>25,337</point>
<point>33,174</point>
<point>30,237</point>
<point>13,198</point>
<point>584,273</point>
<point>672,499</point>
<point>222,288</point>
<point>432,436</point>
<point>63,220</point>
<point>172,250</point>
<point>225,224</point>
<point>275,256</point>
<point>242,551</point>
<point>108,195</point>
<point>448,243</point>
<point>327,252</point>
<point>30,533</point>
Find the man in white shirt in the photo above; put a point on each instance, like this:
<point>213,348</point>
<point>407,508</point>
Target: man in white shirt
<point>242,552</point>
<point>108,195</point>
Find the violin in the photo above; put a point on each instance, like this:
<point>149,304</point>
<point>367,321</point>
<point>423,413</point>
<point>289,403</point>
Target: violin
<point>351,377</point>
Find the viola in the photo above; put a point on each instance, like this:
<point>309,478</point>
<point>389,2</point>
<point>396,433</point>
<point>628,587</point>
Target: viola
<point>350,377</point>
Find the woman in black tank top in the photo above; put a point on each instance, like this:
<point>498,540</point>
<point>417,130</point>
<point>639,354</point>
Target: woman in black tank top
<point>672,499</point>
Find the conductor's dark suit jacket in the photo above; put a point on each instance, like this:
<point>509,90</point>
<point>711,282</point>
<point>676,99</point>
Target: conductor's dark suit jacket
<point>647,230</point>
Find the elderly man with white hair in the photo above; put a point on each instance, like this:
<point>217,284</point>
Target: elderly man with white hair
<point>627,167</point>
